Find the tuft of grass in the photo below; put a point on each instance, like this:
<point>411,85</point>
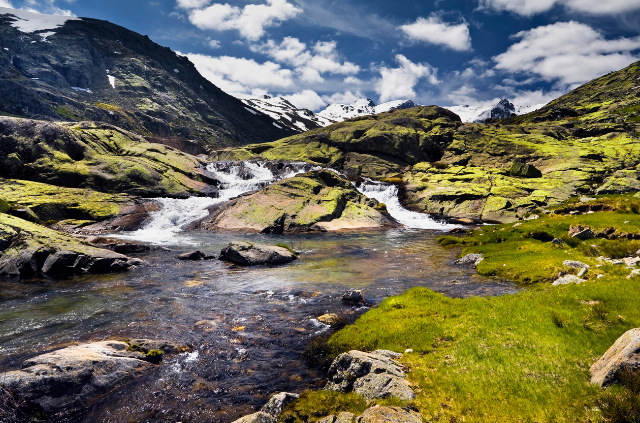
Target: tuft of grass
<point>286,246</point>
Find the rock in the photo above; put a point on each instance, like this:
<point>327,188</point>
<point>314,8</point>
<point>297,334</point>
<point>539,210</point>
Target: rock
<point>344,417</point>
<point>25,213</point>
<point>130,248</point>
<point>354,296</point>
<point>575,264</point>
<point>567,279</point>
<point>194,256</point>
<point>330,319</point>
<point>259,417</point>
<point>557,242</point>
<point>581,232</point>
<point>278,402</point>
<point>74,377</point>
<point>249,254</point>
<point>146,345</point>
<point>372,375</point>
<point>634,273</point>
<point>624,354</point>
<point>583,271</point>
<point>631,261</point>
<point>519,168</point>
<point>379,414</point>
<point>4,206</point>
<point>473,259</point>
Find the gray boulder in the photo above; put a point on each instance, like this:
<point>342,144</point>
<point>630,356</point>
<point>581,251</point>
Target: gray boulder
<point>624,354</point>
<point>575,264</point>
<point>473,259</point>
<point>581,232</point>
<point>259,417</point>
<point>372,375</point>
<point>278,402</point>
<point>389,415</point>
<point>567,279</point>
<point>71,378</point>
<point>344,417</point>
<point>194,256</point>
<point>249,254</point>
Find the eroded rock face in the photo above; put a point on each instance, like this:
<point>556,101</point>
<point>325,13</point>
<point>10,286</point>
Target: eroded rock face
<point>249,254</point>
<point>316,201</point>
<point>624,354</point>
<point>372,375</point>
<point>74,377</point>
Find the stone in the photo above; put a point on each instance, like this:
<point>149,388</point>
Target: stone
<point>74,377</point>
<point>575,264</point>
<point>4,206</point>
<point>194,256</point>
<point>259,417</point>
<point>278,402</point>
<point>249,254</point>
<point>330,319</point>
<point>634,273</point>
<point>631,261</point>
<point>581,232</point>
<point>473,259</point>
<point>354,296</point>
<point>567,279</point>
<point>130,248</point>
<point>557,242</point>
<point>583,271</point>
<point>519,168</point>
<point>372,375</point>
<point>624,354</point>
<point>379,414</point>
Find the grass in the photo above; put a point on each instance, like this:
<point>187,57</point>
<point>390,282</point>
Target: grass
<point>523,357</point>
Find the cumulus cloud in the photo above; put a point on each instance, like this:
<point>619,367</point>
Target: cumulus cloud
<point>399,83</point>
<point>306,99</point>
<point>567,52</point>
<point>347,97</point>
<point>434,30</point>
<point>6,3</point>
<point>240,76</point>
<point>213,43</point>
<point>250,21</point>
<point>532,7</point>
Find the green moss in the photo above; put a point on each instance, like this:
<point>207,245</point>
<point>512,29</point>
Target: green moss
<point>312,406</point>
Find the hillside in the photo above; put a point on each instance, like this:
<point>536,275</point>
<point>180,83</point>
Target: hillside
<point>61,69</point>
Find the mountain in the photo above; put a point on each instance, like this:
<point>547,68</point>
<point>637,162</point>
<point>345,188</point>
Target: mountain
<point>285,113</point>
<point>79,69</point>
<point>501,110</point>
<point>361,107</point>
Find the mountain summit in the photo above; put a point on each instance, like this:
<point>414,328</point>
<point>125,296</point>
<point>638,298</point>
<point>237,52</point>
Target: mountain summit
<point>79,69</point>
<point>361,107</point>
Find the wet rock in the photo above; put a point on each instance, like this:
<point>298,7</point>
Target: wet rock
<point>194,256</point>
<point>575,264</point>
<point>372,375</point>
<point>146,345</point>
<point>581,232</point>
<point>519,168</point>
<point>278,402</point>
<point>71,378</point>
<point>473,259</point>
<point>624,354</point>
<point>259,417</point>
<point>353,296</point>
<point>330,319</point>
<point>567,279</point>
<point>389,415</point>
<point>249,254</point>
<point>130,248</point>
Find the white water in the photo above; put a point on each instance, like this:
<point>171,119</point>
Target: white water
<point>388,194</point>
<point>175,214</point>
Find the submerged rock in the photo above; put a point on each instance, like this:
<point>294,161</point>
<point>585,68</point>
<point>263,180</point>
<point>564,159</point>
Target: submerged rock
<point>72,378</point>
<point>624,354</point>
<point>372,375</point>
<point>194,256</point>
<point>278,402</point>
<point>249,254</point>
<point>354,296</point>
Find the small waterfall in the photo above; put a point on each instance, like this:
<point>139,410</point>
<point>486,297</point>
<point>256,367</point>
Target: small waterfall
<point>388,194</point>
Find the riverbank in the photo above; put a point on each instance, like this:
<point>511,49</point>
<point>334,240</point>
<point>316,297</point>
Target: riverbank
<point>523,357</point>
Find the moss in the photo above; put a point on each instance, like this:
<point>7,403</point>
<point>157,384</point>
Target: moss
<point>312,406</point>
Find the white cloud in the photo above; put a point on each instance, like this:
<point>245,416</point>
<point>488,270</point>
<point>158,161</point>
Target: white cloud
<point>6,3</point>
<point>307,99</point>
<point>399,83</point>
<point>240,76</point>
<point>434,30</point>
<point>591,7</point>
<point>347,97</point>
<point>250,21</point>
<point>191,4</point>
<point>569,52</point>
<point>214,43</point>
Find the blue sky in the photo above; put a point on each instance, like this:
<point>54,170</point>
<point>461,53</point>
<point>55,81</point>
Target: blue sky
<point>445,52</point>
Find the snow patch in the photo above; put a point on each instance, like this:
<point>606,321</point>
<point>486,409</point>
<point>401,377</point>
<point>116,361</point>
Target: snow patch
<point>251,110</point>
<point>86,90</point>
<point>44,35</point>
<point>32,22</point>
<point>112,81</point>
<point>361,107</point>
<point>277,126</point>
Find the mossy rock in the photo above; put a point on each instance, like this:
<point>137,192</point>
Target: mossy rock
<point>519,168</point>
<point>4,206</point>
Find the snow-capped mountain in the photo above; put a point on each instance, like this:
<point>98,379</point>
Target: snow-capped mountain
<point>285,113</point>
<point>361,107</point>
<point>501,110</point>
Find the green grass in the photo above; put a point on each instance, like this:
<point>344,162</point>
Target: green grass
<point>314,405</point>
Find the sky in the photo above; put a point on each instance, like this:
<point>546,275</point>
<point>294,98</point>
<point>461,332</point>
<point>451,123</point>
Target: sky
<point>444,52</point>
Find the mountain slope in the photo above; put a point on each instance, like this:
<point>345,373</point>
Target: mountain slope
<point>93,70</point>
<point>362,107</point>
<point>285,113</point>
<point>501,110</point>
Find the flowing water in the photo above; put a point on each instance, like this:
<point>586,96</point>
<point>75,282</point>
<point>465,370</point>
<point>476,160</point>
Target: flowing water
<point>248,326</point>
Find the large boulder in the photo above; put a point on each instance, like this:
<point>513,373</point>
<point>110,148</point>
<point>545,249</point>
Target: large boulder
<point>316,201</point>
<point>389,415</point>
<point>624,354</point>
<point>71,378</point>
<point>372,375</point>
<point>249,254</point>
<point>278,402</point>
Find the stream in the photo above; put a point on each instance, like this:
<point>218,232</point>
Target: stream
<point>248,326</point>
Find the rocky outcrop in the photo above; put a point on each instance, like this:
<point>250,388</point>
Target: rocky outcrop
<point>581,232</point>
<point>259,417</point>
<point>72,378</point>
<point>473,259</point>
<point>27,248</point>
<point>624,355</point>
<point>249,254</point>
<point>524,170</point>
<point>278,402</point>
<point>372,375</point>
<point>315,201</point>
<point>376,414</point>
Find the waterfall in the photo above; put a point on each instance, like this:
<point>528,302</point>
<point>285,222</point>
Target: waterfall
<point>388,194</point>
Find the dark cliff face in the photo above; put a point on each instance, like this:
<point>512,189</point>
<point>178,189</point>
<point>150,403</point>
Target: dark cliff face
<point>65,77</point>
